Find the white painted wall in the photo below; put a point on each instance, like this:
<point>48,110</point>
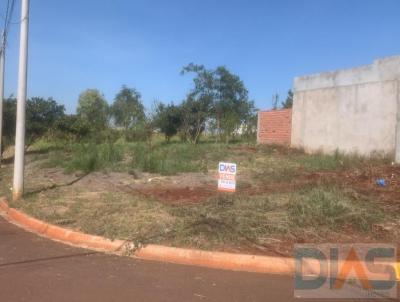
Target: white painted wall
<point>352,110</point>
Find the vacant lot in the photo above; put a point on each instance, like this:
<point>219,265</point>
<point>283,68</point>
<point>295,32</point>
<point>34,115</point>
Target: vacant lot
<point>166,193</point>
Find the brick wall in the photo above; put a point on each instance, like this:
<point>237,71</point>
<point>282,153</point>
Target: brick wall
<point>274,127</point>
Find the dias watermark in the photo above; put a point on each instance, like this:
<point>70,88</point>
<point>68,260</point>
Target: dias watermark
<point>349,271</point>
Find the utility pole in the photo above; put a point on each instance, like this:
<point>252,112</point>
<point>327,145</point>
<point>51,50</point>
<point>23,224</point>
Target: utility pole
<point>18,184</point>
<point>2,56</point>
<point>397,147</point>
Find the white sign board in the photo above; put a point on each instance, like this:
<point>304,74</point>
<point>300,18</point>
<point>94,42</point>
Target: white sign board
<point>227,177</point>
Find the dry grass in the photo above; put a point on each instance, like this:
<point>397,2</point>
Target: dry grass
<point>265,221</point>
<point>233,222</point>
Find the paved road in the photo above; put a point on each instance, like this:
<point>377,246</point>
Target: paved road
<point>37,269</point>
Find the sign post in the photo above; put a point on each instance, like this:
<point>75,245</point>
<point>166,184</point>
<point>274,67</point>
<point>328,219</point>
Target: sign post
<point>227,177</point>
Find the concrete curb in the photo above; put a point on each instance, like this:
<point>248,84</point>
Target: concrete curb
<point>57,233</point>
<point>218,260</point>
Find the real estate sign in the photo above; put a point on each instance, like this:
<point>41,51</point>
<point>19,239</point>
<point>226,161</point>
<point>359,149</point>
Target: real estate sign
<point>227,177</point>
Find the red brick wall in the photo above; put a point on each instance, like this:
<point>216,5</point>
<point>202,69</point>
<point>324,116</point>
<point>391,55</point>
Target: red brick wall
<point>274,127</point>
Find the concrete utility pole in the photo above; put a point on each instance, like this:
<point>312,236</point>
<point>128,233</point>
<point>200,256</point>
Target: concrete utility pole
<point>18,184</point>
<point>2,56</point>
<point>397,147</point>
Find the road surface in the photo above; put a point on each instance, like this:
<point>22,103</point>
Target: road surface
<point>33,268</point>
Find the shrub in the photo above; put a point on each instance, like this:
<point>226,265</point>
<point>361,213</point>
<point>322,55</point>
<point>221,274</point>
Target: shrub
<point>86,157</point>
<point>167,159</point>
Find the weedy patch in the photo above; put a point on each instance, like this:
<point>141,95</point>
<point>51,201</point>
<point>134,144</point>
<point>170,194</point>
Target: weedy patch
<point>284,196</point>
<point>332,208</point>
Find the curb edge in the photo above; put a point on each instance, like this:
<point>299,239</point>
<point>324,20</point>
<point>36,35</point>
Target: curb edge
<point>210,259</point>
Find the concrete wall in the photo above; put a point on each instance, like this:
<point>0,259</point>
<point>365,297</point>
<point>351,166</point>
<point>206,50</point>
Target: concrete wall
<point>274,127</point>
<point>352,110</point>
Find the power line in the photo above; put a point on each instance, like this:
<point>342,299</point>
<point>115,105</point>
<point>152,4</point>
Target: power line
<point>6,18</point>
<point>9,12</point>
<point>3,36</point>
<point>9,16</point>
<point>7,22</point>
<point>11,22</point>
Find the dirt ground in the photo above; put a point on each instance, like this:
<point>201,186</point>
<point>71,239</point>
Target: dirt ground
<point>195,188</point>
<point>189,188</point>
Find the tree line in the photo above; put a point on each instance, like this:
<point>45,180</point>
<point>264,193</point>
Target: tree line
<point>218,103</point>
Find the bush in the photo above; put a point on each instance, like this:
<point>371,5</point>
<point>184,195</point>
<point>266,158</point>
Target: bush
<point>167,159</point>
<point>70,128</point>
<point>86,157</point>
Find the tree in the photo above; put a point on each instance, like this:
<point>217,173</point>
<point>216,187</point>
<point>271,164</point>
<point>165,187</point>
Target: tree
<point>232,107</point>
<point>197,107</point>
<point>93,109</point>
<point>168,118</point>
<point>41,115</point>
<point>127,109</point>
<point>223,96</point>
<point>71,127</point>
<point>9,113</point>
<point>195,113</point>
<point>288,103</point>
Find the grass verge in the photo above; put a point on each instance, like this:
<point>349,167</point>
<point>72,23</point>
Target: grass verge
<point>223,221</point>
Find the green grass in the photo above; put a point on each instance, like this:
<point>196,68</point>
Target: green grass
<point>174,158</point>
<point>86,157</point>
<point>268,162</point>
<point>44,145</point>
<point>331,208</point>
<point>167,159</point>
<point>162,158</point>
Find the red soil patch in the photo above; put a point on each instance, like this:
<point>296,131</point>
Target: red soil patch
<point>363,181</point>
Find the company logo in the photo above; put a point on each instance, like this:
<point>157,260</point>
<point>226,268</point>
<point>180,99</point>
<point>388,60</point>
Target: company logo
<point>227,168</point>
<point>365,271</point>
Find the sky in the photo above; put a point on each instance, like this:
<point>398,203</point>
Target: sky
<point>75,45</point>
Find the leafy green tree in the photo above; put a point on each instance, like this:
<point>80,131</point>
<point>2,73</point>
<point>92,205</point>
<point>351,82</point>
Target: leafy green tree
<point>249,129</point>
<point>93,109</point>
<point>223,98</point>
<point>41,114</point>
<point>197,108</point>
<point>9,112</point>
<point>127,109</point>
<point>195,113</point>
<point>232,107</point>
<point>71,127</point>
<point>168,118</point>
<point>288,103</point>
